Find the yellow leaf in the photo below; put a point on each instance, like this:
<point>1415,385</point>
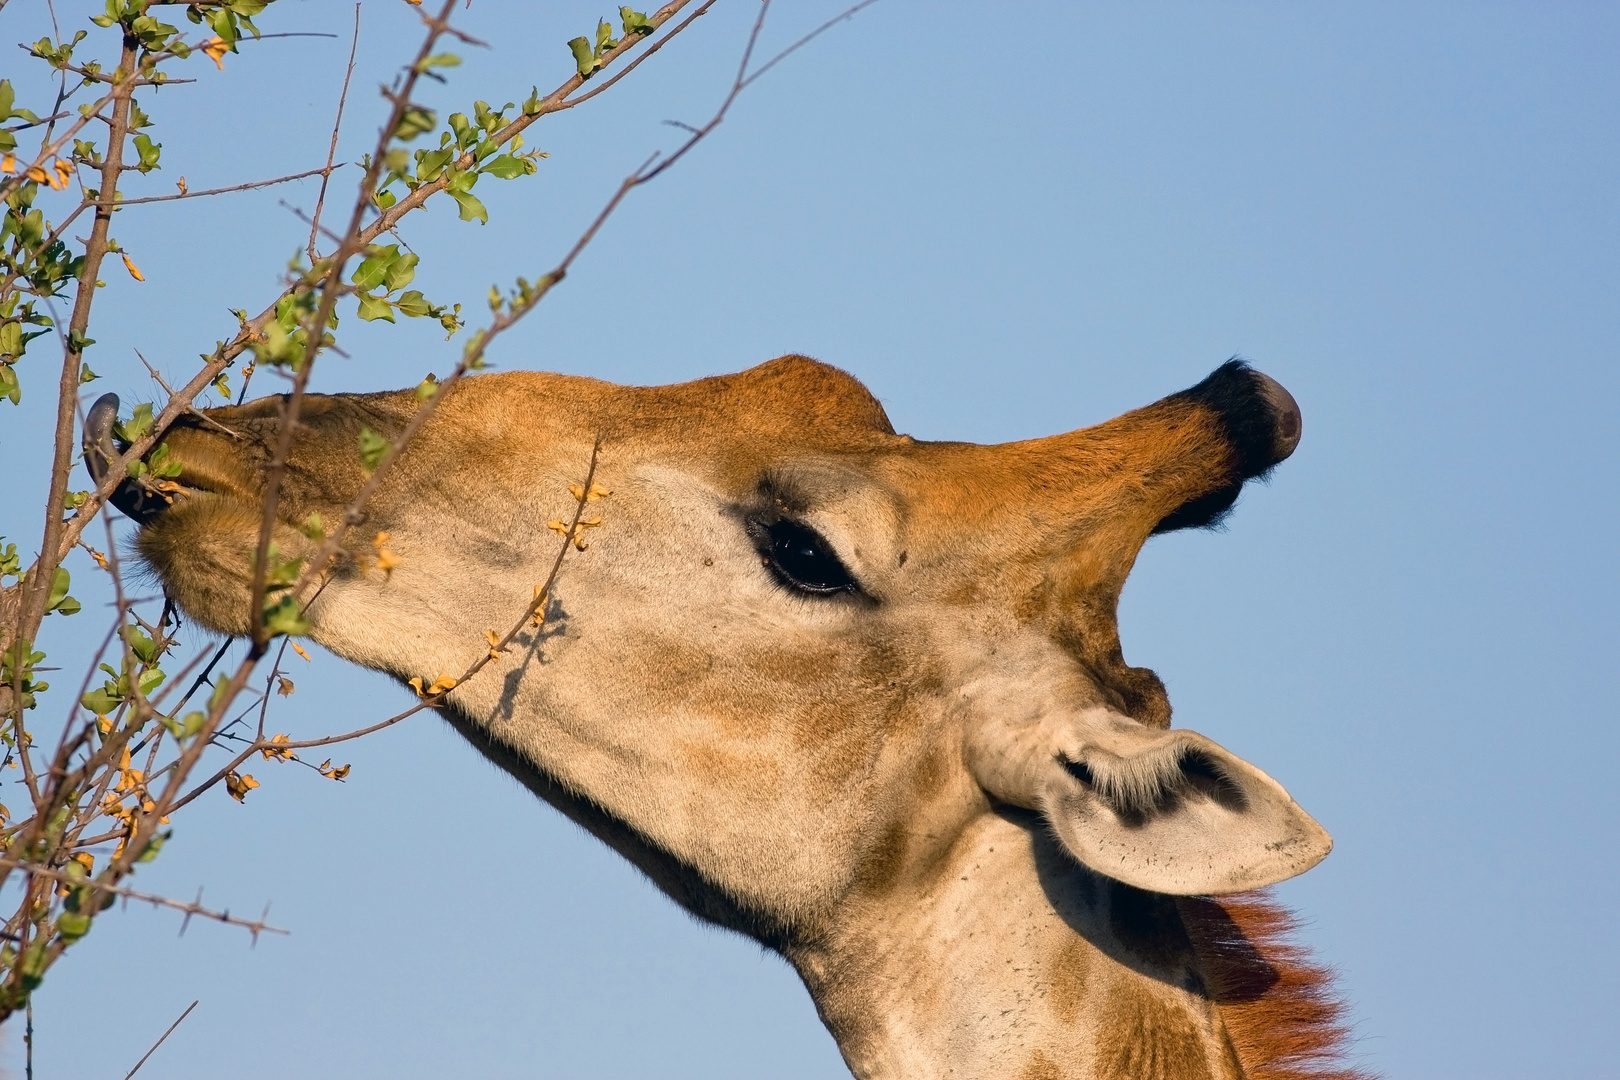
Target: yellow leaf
<point>558,526</point>
<point>216,49</point>
<point>37,175</point>
<point>181,185</point>
<point>442,683</point>
<point>134,271</point>
<point>275,751</point>
<point>84,859</point>
<point>284,686</point>
<point>239,784</point>
<point>298,649</point>
<point>494,640</point>
<point>336,774</point>
<point>539,605</point>
<point>64,172</point>
<point>386,559</point>
<point>8,163</point>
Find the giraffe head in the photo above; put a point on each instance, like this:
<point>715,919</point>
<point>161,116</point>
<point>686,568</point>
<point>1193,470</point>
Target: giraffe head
<point>802,653</point>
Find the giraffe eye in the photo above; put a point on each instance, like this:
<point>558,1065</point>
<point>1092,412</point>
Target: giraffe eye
<point>799,558</point>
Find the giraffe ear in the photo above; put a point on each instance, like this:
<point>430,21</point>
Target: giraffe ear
<point>1167,811</point>
<point>1174,812</point>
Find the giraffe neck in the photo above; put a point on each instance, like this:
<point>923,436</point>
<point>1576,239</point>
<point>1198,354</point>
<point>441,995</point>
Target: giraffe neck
<point>1010,960</point>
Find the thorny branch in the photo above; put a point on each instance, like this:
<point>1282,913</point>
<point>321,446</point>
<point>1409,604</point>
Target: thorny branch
<point>190,910</point>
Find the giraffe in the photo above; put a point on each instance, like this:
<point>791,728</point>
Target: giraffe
<point>857,696</point>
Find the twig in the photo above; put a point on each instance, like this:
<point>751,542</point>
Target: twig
<point>257,926</point>
<point>159,1043</point>
<point>234,187</point>
<point>331,150</point>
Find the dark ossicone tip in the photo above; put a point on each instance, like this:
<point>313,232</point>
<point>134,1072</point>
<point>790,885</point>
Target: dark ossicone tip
<point>1289,424</point>
<point>1262,420</point>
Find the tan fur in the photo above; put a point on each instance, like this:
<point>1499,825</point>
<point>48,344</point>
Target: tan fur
<point>927,797</point>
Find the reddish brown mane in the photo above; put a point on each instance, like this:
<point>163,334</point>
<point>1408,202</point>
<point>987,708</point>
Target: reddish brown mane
<point>1285,1020</point>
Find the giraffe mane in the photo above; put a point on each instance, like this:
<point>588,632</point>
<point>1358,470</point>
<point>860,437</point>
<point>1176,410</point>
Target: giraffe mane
<point>1280,1008</point>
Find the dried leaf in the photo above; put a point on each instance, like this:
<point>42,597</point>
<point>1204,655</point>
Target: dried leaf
<point>277,751</point>
<point>284,686</point>
<point>216,49</point>
<point>239,784</point>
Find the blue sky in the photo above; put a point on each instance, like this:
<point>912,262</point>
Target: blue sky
<point>1009,220</point>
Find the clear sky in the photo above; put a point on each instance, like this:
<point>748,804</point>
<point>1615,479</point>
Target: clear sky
<point>1010,220</point>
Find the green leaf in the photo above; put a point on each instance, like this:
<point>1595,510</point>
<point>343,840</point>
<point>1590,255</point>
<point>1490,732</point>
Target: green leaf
<point>635,22</point>
<point>138,424</point>
<point>374,268</point>
<point>439,60</point>
<point>430,163</point>
<point>471,208</point>
<point>150,680</point>
<point>59,600</point>
<point>145,649</point>
<point>413,304</point>
<point>415,121</point>
<point>284,617</point>
<point>584,59</point>
<point>10,388</point>
<point>86,375</point>
<point>72,925</point>
<point>465,135</point>
<point>373,308</point>
<point>102,701</point>
<point>372,448</point>
<point>400,272</point>
<point>153,846</point>
<point>149,151</point>
<point>505,167</point>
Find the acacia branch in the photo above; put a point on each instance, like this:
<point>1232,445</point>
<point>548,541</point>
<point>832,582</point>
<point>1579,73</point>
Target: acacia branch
<point>195,908</point>
<point>249,186</point>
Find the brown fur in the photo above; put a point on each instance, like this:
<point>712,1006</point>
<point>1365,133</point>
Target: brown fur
<point>1279,1008</point>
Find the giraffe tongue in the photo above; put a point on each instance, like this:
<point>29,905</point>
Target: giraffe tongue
<point>100,450</point>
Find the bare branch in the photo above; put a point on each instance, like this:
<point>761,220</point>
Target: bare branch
<point>159,1043</point>
<point>331,150</point>
<point>322,172</point>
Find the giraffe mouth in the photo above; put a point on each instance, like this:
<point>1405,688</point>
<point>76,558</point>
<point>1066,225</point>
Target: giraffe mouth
<point>144,494</point>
